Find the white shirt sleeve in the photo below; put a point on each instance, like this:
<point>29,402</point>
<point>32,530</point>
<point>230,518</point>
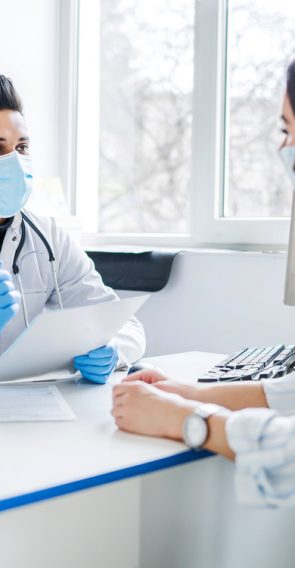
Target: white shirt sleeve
<point>264,444</point>
<point>280,393</point>
<point>80,284</point>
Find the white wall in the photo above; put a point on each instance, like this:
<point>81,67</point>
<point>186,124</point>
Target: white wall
<point>29,44</point>
<point>220,301</point>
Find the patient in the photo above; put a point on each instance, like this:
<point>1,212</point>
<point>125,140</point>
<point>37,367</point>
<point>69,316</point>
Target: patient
<point>246,424</point>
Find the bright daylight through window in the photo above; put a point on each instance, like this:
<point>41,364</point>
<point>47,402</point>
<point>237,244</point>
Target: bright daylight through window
<point>260,45</point>
<point>170,167</point>
<point>147,51</point>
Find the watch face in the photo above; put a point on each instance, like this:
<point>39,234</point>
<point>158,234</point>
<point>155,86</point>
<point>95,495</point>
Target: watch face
<point>195,431</point>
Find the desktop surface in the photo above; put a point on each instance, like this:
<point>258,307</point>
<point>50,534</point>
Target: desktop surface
<point>44,460</point>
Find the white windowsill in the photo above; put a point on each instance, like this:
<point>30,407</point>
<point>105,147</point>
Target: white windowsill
<point>277,251</point>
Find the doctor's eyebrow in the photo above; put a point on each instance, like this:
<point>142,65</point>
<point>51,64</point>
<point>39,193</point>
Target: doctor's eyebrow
<point>22,139</point>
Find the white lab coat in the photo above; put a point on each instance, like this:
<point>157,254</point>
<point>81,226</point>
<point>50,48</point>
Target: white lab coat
<point>80,284</point>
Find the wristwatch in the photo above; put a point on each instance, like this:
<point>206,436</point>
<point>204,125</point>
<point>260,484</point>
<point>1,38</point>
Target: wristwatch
<point>195,428</point>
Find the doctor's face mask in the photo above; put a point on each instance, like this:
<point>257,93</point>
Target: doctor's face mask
<point>287,150</point>
<point>16,181</point>
<point>16,178</point>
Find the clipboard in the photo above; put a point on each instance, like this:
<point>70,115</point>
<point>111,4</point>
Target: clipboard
<point>56,336</point>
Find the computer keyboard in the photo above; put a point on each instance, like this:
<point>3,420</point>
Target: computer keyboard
<point>253,364</point>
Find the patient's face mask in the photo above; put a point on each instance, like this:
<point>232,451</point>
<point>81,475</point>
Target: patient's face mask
<point>287,154</point>
<point>16,182</point>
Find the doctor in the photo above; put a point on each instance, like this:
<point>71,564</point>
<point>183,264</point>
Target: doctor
<point>40,265</point>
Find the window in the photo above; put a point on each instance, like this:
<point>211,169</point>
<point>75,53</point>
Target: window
<point>146,67</point>
<point>260,43</point>
<point>178,129</point>
<point>145,115</point>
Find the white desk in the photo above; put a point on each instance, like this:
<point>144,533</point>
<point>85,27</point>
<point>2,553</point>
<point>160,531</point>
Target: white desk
<point>61,508</point>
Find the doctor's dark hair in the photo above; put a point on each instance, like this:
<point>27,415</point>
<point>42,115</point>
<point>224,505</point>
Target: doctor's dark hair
<point>291,84</point>
<point>9,98</point>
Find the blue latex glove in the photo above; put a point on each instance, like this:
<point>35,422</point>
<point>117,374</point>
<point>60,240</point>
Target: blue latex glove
<point>97,365</point>
<point>9,298</point>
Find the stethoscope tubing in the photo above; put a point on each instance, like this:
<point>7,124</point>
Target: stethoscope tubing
<point>15,267</point>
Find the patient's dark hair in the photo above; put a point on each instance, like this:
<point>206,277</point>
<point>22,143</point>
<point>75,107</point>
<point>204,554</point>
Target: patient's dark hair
<point>9,98</point>
<point>291,84</point>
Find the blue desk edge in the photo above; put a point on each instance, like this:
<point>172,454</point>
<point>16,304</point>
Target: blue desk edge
<point>102,479</point>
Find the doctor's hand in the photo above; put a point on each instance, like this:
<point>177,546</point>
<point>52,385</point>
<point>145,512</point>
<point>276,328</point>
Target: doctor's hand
<point>164,383</point>
<point>97,365</point>
<point>9,298</point>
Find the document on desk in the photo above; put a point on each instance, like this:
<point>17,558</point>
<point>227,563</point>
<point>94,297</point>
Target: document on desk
<point>33,403</point>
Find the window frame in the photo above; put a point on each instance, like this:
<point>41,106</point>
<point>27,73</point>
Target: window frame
<point>211,115</point>
<point>207,228</point>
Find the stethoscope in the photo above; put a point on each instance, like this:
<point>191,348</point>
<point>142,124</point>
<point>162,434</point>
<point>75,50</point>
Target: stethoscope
<point>15,267</point>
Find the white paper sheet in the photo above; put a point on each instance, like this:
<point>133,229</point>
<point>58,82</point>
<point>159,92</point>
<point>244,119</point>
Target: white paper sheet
<point>38,403</point>
<point>56,336</point>
<point>56,376</point>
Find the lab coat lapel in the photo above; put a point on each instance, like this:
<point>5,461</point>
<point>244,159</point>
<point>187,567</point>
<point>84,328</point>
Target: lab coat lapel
<point>11,242</point>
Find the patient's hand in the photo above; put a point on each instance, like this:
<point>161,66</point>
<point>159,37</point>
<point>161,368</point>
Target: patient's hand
<point>164,383</point>
<point>134,403</point>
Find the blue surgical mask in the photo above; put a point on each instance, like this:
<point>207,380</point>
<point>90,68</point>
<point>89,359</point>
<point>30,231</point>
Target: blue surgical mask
<point>287,154</point>
<point>16,182</point>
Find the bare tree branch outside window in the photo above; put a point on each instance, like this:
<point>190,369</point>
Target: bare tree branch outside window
<point>261,42</point>
<point>147,67</point>
<point>146,115</point>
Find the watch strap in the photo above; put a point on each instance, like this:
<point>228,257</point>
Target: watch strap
<point>205,410</point>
